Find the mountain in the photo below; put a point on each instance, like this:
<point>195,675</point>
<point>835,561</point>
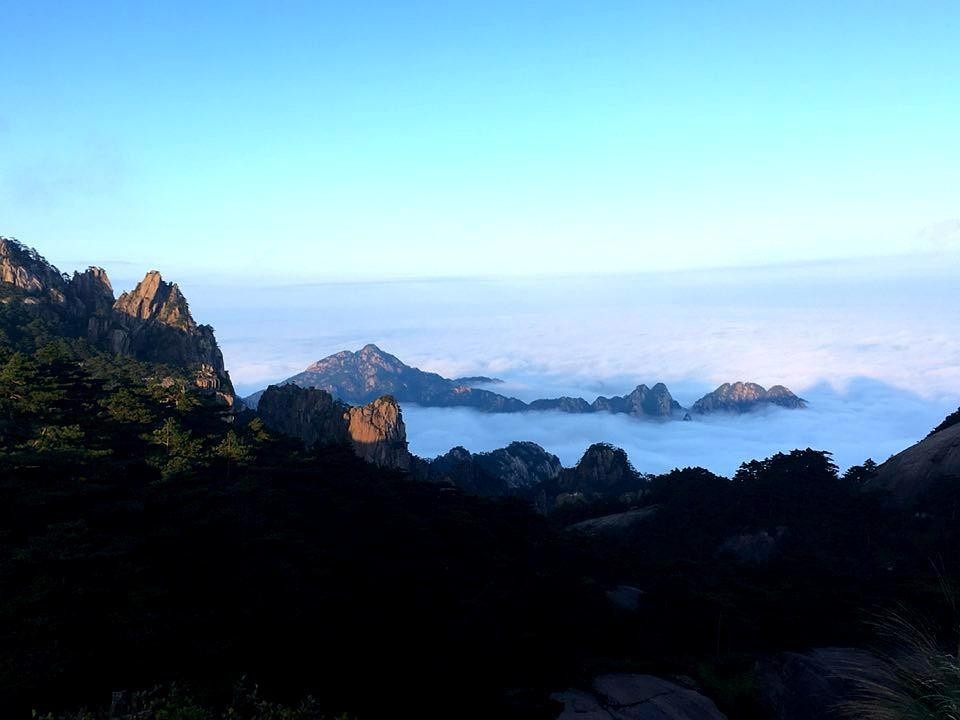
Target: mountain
<point>375,431</point>
<point>517,469</point>
<point>741,397</point>
<point>151,323</point>
<point>935,460</point>
<point>359,377</point>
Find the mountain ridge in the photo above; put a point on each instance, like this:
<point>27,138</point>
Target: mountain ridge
<point>151,323</point>
<point>359,377</point>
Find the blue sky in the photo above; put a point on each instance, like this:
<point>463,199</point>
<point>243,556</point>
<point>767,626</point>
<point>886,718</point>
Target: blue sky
<point>381,139</point>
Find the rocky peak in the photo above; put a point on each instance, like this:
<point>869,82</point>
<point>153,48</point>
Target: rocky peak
<point>154,299</point>
<point>92,287</point>
<point>655,401</point>
<point>746,396</point>
<point>602,466</point>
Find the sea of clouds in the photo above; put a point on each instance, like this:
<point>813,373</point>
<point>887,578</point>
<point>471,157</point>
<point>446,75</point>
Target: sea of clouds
<point>873,345</point>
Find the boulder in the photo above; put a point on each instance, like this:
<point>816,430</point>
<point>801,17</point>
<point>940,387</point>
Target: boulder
<point>626,696</point>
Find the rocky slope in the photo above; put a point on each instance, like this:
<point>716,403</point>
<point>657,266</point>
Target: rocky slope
<point>935,459</point>
<point>151,323</point>
<point>376,431</point>
<point>740,397</point>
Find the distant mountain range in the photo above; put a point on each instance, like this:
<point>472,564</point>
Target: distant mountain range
<point>360,377</point>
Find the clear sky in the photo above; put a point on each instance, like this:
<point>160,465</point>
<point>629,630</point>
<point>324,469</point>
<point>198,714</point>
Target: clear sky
<point>323,139</point>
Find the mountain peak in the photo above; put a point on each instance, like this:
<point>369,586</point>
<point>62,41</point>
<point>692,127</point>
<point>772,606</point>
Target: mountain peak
<point>746,396</point>
<point>155,299</point>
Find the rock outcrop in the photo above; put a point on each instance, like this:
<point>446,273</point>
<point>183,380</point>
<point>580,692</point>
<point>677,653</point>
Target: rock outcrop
<point>375,431</point>
<point>312,416</point>
<point>911,473</point>
<point>741,397</point>
<point>624,696</point>
<point>152,323</point>
<point>517,469</point>
<point>378,434</point>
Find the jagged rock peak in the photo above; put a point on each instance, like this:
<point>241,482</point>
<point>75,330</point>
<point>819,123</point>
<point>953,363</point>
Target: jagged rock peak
<point>746,396</point>
<point>93,288</point>
<point>153,298</point>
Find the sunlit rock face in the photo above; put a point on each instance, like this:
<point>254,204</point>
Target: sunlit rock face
<point>378,434</point>
<point>375,431</point>
<point>742,397</point>
<point>151,323</point>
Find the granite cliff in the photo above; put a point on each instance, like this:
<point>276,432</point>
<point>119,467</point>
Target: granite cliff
<point>375,431</point>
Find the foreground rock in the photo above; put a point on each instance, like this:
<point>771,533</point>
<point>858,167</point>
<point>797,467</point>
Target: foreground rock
<point>908,475</point>
<point>613,524</point>
<point>375,431</point>
<point>741,397</point>
<point>622,696</point>
<point>152,323</point>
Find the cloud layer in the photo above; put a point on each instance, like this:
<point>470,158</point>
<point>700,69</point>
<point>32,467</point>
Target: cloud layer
<point>875,347</point>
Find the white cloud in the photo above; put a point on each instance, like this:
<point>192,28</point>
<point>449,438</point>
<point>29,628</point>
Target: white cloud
<point>877,346</point>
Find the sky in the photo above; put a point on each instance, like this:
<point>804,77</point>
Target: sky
<point>322,140</point>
